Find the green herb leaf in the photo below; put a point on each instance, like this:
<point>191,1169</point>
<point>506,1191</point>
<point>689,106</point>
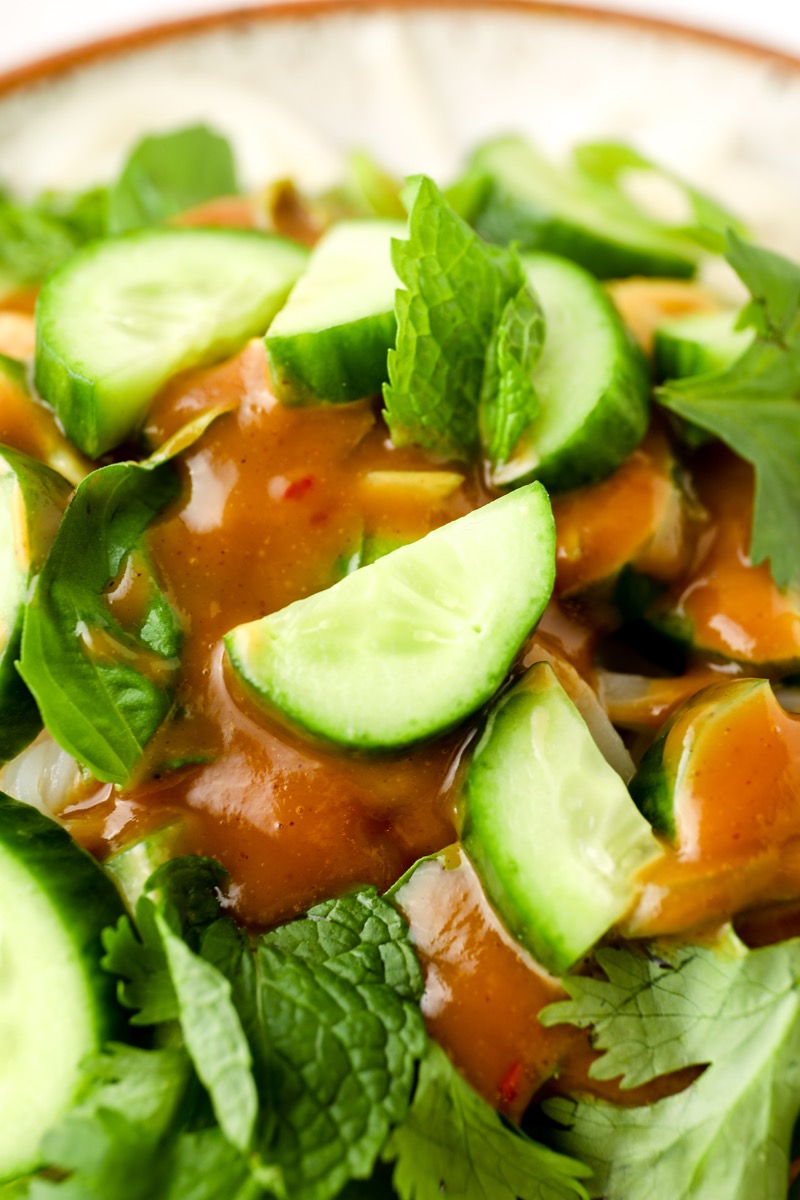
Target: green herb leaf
<point>168,173</point>
<point>508,401</point>
<point>214,1037</point>
<point>753,404</point>
<point>103,690</point>
<point>456,292</point>
<point>611,162</point>
<point>728,1134</point>
<point>452,1143</point>
<point>338,996</point>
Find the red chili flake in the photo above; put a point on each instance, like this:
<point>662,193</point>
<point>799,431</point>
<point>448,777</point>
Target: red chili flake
<point>298,487</point>
<point>512,1082</point>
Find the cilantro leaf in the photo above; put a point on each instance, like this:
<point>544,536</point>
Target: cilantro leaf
<point>728,1134</point>
<point>453,1143</point>
<point>166,174</point>
<point>508,400</point>
<point>456,290</point>
<point>753,405</point>
<point>338,994</point>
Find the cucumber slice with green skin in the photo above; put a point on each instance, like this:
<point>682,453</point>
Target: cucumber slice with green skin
<point>409,646</point>
<point>132,866</point>
<point>699,343</point>
<point>32,502</point>
<point>122,316</point>
<point>56,1004</point>
<point>592,381</point>
<point>665,786</point>
<point>329,342</point>
<point>543,207</point>
<point>549,825</point>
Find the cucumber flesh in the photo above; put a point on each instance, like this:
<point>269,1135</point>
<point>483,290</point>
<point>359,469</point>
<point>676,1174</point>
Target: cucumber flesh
<point>132,866</point>
<point>696,344</point>
<point>543,207</point>
<point>549,825</point>
<point>56,1004</point>
<point>592,382</point>
<point>122,316</point>
<point>330,341</point>
<point>32,502</point>
<point>410,645</point>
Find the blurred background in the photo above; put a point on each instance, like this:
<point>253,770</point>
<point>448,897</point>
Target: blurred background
<point>35,28</point>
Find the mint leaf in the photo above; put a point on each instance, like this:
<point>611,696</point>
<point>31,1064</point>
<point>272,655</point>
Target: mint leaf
<point>508,401</point>
<point>753,404</point>
<point>338,994</point>
<point>165,174</point>
<point>214,1037</point>
<point>728,1134</point>
<point>456,290</point>
<point>452,1143</point>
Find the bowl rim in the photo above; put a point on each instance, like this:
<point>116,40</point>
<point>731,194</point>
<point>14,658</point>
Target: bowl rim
<point>53,66</point>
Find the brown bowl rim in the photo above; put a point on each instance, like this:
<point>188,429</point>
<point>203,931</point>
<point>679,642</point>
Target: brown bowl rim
<point>53,66</point>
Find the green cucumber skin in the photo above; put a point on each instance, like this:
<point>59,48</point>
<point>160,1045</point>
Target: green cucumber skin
<point>45,496</point>
<point>257,650</point>
<point>83,902</point>
<point>98,415</point>
<point>619,417</point>
<point>652,790</point>
<point>535,813</point>
<point>506,218</point>
<point>333,366</point>
<point>680,631</point>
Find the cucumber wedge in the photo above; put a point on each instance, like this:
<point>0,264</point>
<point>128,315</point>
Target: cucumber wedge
<point>549,825</point>
<point>696,344</point>
<point>56,1004</point>
<point>330,340</point>
<point>410,645</point>
<point>32,502</point>
<point>592,382</point>
<point>122,316</point>
<point>531,201</point>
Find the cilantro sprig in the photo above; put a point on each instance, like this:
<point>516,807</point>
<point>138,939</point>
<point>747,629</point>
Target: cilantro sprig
<point>728,1134</point>
<point>754,404</point>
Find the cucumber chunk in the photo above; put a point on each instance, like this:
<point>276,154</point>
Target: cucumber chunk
<point>696,344</point>
<point>122,316</point>
<point>56,1004</point>
<point>410,645</point>
<point>32,502</point>
<point>544,207</point>
<point>132,866</point>
<point>330,341</point>
<point>549,825</point>
<point>592,382</point>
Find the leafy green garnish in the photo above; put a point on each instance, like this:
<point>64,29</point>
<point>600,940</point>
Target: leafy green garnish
<point>456,295</point>
<point>102,689</point>
<point>306,1042</point>
<point>728,1134</point>
<point>452,1143</point>
<point>165,174</point>
<point>754,404</point>
<point>508,401</point>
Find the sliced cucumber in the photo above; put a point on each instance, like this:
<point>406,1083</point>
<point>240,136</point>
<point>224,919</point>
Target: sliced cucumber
<point>330,340</point>
<point>591,379</point>
<point>698,343</point>
<point>409,646</point>
<point>132,866</point>
<point>544,207</point>
<point>670,784</point>
<point>56,1004</point>
<point>122,316</point>
<point>32,502</point>
<point>549,825</point>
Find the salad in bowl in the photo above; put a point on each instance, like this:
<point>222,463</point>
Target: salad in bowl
<point>398,698</point>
